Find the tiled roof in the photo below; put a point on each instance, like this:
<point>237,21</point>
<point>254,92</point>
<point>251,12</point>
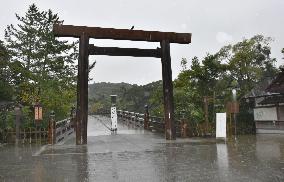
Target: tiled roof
<point>275,99</point>
<point>259,89</point>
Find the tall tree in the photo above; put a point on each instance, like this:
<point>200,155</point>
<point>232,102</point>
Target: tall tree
<point>45,64</point>
<point>6,89</point>
<point>194,84</point>
<point>250,61</point>
<point>240,65</point>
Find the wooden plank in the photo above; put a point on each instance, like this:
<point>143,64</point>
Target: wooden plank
<point>82,90</point>
<point>115,51</point>
<point>120,34</point>
<point>170,130</point>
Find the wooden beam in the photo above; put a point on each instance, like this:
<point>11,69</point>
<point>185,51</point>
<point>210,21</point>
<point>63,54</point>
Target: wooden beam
<point>120,34</point>
<point>170,129</point>
<point>82,91</point>
<point>115,51</point>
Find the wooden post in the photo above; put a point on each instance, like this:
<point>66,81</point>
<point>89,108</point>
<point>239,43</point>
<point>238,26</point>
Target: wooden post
<point>24,136</point>
<point>206,98</point>
<point>17,122</point>
<point>146,118</point>
<point>39,134</point>
<point>36,133</point>
<point>44,135</point>
<point>51,129</point>
<point>277,111</point>
<point>170,130</point>
<point>30,135</point>
<point>49,133</point>
<point>82,90</point>
<point>183,128</point>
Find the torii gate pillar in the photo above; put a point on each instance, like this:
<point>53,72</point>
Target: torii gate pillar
<point>170,129</point>
<point>82,90</point>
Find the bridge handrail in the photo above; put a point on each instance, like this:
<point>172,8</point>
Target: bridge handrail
<point>58,130</point>
<point>155,123</point>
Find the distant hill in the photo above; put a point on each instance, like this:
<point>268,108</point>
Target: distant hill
<point>131,97</point>
<point>103,90</point>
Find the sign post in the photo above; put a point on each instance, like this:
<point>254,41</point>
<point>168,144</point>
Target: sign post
<point>221,125</point>
<point>113,113</point>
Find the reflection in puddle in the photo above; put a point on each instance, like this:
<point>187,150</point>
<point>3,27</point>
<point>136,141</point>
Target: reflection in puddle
<point>147,157</point>
<point>222,159</point>
<point>266,148</point>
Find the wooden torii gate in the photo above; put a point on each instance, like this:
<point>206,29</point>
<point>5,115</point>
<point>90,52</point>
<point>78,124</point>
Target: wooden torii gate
<point>85,33</point>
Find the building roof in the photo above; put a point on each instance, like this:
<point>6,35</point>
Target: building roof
<point>277,85</point>
<point>259,89</point>
<point>274,99</point>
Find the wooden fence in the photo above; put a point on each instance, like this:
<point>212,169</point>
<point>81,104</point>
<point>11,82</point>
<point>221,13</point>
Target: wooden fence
<point>27,135</point>
<point>56,132</point>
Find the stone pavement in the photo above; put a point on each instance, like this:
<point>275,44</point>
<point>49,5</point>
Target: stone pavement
<point>138,155</point>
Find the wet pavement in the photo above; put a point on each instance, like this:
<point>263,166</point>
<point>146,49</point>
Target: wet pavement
<point>138,155</point>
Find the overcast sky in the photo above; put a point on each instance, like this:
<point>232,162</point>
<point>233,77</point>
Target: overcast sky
<point>213,24</point>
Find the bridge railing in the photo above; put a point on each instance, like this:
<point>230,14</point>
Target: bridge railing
<point>184,128</point>
<point>136,118</point>
<point>59,130</point>
<point>63,129</point>
<point>152,123</point>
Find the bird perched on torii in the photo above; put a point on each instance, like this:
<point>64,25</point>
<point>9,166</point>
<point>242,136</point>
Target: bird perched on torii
<point>60,22</point>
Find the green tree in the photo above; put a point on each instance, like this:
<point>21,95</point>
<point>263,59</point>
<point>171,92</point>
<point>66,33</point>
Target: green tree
<point>156,100</point>
<point>249,62</point>
<point>6,89</point>
<point>240,65</point>
<point>45,65</point>
<point>192,85</point>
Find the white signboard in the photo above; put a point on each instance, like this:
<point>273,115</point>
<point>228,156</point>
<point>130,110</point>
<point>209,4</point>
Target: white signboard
<point>265,114</point>
<point>113,119</point>
<point>220,125</point>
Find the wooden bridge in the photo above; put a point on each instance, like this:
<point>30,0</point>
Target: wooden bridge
<point>133,121</point>
<point>60,131</point>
